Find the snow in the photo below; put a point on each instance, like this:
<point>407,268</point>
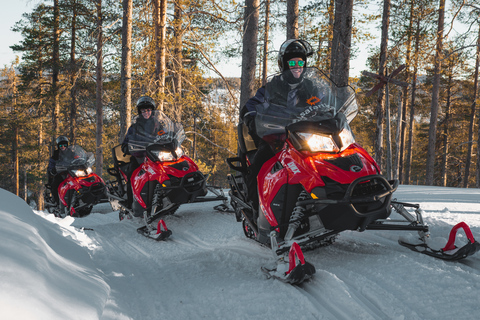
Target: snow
<point>98,267</point>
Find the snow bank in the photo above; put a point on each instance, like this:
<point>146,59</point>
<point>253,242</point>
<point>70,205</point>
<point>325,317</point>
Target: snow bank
<point>43,274</point>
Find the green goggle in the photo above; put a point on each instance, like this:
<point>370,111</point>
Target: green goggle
<point>292,63</point>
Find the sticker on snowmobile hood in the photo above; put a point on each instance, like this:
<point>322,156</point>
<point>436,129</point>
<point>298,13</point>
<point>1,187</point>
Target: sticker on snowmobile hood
<point>322,110</point>
<point>313,100</point>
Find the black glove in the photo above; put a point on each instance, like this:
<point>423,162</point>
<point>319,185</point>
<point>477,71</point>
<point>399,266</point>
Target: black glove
<point>53,171</point>
<point>125,149</point>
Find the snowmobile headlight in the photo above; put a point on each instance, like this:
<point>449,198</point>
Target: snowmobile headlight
<point>347,138</point>
<point>179,152</point>
<point>164,155</point>
<point>319,143</point>
<point>82,172</point>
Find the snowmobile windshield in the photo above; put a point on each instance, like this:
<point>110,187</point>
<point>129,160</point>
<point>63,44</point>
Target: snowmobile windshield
<point>309,96</point>
<point>74,156</point>
<point>158,129</point>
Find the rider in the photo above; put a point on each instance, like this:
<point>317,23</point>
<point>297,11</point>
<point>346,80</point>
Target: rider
<point>292,59</point>
<point>54,177</point>
<point>144,126</point>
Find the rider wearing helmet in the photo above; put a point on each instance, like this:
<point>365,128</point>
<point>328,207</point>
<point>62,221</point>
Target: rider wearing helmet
<point>55,179</point>
<point>145,102</point>
<point>292,57</point>
<point>144,125</point>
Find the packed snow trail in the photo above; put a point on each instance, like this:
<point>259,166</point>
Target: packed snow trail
<point>205,262</point>
<point>209,269</point>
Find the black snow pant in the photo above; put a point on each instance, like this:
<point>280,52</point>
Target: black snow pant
<point>56,180</point>
<point>133,165</point>
<point>263,154</point>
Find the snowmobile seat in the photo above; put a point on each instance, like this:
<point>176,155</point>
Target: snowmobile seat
<point>121,162</point>
<point>246,145</point>
<point>246,150</point>
<point>119,157</point>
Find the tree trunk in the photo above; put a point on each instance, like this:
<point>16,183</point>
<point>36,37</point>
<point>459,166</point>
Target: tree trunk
<point>249,54</point>
<point>25,188</point>
<point>160,22</point>
<point>73,76</point>
<point>292,19</point>
<point>55,69</point>
<point>99,91</point>
<point>475,95</point>
<point>341,42</point>
<point>178,60</point>
<point>432,133</point>
<point>446,122</point>
<point>265,42</point>
<point>11,76</point>
<point>331,21</point>
<point>126,70</point>
<point>16,173</point>
<point>469,144</point>
<point>388,138</point>
<point>41,147</point>
<point>398,137</point>
<point>408,62</point>
<point>40,185</point>
<point>382,66</point>
<point>411,125</point>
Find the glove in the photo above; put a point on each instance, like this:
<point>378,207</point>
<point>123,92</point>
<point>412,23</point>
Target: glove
<point>53,171</point>
<point>125,149</point>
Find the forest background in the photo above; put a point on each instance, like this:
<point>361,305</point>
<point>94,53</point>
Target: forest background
<point>85,62</point>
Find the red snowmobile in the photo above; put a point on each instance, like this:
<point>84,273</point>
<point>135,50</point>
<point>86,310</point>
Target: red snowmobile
<point>81,188</point>
<point>319,183</point>
<point>166,179</point>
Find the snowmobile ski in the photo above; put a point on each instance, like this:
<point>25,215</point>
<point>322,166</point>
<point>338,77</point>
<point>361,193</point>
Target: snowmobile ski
<point>296,273</point>
<point>156,234</point>
<point>450,251</point>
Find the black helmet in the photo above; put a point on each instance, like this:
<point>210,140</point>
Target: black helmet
<point>293,48</point>
<point>61,140</point>
<point>145,103</point>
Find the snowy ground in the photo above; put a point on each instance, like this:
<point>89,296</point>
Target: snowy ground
<point>54,269</point>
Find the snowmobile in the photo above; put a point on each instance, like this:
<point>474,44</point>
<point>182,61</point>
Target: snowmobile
<point>320,181</point>
<point>81,188</point>
<point>166,179</point>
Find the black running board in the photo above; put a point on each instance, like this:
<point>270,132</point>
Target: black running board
<point>308,240</point>
<point>208,199</point>
<point>387,226</point>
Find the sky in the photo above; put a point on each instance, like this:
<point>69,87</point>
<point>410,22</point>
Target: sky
<point>12,12</point>
<point>98,267</point>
